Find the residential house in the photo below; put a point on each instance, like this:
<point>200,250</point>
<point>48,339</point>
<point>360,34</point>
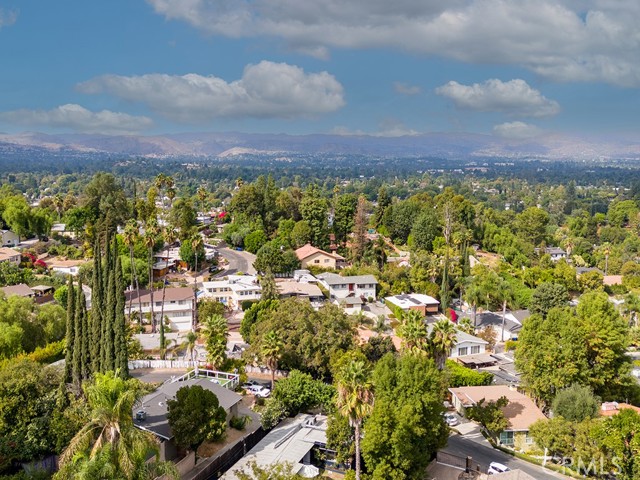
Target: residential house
<point>151,415</point>
<point>61,229</point>
<point>521,412</point>
<point>233,290</point>
<point>10,255</point>
<point>21,290</point>
<point>414,301</point>
<point>609,409</point>
<point>43,293</point>
<point>512,323</point>
<point>341,288</point>
<point>308,291</point>
<point>179,306</point>
<point>556,253</point>
<point>65,267</point>
<point>467,345</point>
<point>311,256</point>
<point>300,442</point>
<point>8,238</point>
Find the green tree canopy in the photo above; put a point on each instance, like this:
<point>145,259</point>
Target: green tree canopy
<point>195,416</point>
<point>547,296</point>
<point>405,427</point>
<point>310,338</point>
<point>576,403</point>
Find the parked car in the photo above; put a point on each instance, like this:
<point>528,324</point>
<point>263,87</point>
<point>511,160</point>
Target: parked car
<point>259,391</point>
<point>451,419</point>
<point>495,467</point>
<point>250,384</point>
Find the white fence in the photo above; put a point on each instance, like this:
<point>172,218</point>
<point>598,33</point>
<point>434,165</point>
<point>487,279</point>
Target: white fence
<point>138,364</point>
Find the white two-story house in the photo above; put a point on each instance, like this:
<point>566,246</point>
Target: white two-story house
<point>179,306</point>
<point>233,290</point>
<point>341,289</point>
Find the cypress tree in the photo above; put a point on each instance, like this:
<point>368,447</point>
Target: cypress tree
<point>86,334</point>
<point>120,327</point>
<point>76,368</point>
<point>70,333</point>
<point>109,317</point>
<point>97,309</point>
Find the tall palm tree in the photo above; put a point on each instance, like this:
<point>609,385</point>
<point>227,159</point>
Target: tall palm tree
<point>58,204</point>
<point>271,352</point>
<point>130,235</point>
<point>473,294</point>
<point>355,399</point>
<point>150,234</point>
<point>196,243</point>
<point>216,334</point>
<point>504,294</point>
<point>171,194</point>
<point>606,250</point>
<point>202,196</point>
<point>413,331</point>
<point>169,235</point>
<point>109,445</point>
<point>442,339</point>
<point>190,340</point>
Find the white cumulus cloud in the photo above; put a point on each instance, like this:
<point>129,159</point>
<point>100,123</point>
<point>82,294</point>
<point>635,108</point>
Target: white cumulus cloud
<point>565,40</point>
<point>405,89</point>
<point>79,119</point>
<point>514,97</point>
<point>516,130</point>
<point>8,17</point>
<point>266,90</point>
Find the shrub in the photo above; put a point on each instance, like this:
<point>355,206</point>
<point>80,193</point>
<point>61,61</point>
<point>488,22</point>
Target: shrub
<point>273,412</point>
<point>460,376</point>
<point>239,423</point>
<point>510,345</point>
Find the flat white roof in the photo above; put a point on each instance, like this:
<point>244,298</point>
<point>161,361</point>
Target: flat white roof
<point>409,300</point>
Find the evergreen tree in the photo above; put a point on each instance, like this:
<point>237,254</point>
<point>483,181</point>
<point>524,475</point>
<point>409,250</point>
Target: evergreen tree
<point>109,317</point>
<point>268,286</point>
<point>76,362</point>
<point>70,335</point>
<point>85,349</point>
<point>120,337</point>
<point>359,241</point>
<point>97,309</point>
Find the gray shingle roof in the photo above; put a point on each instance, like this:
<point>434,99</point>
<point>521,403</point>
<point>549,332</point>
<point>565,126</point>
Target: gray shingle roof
<point>155,404</point>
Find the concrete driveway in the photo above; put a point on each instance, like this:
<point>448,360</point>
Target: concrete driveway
<point>239,261</point>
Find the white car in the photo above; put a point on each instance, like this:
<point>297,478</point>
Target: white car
<point>495,467</point>
<point>259,391</point>
<point>451,420</point>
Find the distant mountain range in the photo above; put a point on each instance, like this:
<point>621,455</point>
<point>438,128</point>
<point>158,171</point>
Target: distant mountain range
<point>224,145</point>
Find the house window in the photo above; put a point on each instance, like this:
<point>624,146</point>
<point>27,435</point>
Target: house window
<point>326,260</point>
<point>506,438</point>
<point>317,260</point>
<point>462,351</point>
<point>475,350</point>
<point>158,304</point>
<point>528,439</point>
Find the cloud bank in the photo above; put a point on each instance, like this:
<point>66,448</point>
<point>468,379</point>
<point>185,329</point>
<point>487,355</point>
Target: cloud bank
<point>564,40</point>
<point>79,119</point>
<point>516,130</point>
<point>514,97</point>
<point>266,90</point>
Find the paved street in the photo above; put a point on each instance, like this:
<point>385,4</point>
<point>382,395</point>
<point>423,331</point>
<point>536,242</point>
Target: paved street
<point>485,454</point>
<point>239,261</point>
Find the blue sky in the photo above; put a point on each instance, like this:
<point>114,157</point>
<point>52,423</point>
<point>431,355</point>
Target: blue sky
<point>512,68</point>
